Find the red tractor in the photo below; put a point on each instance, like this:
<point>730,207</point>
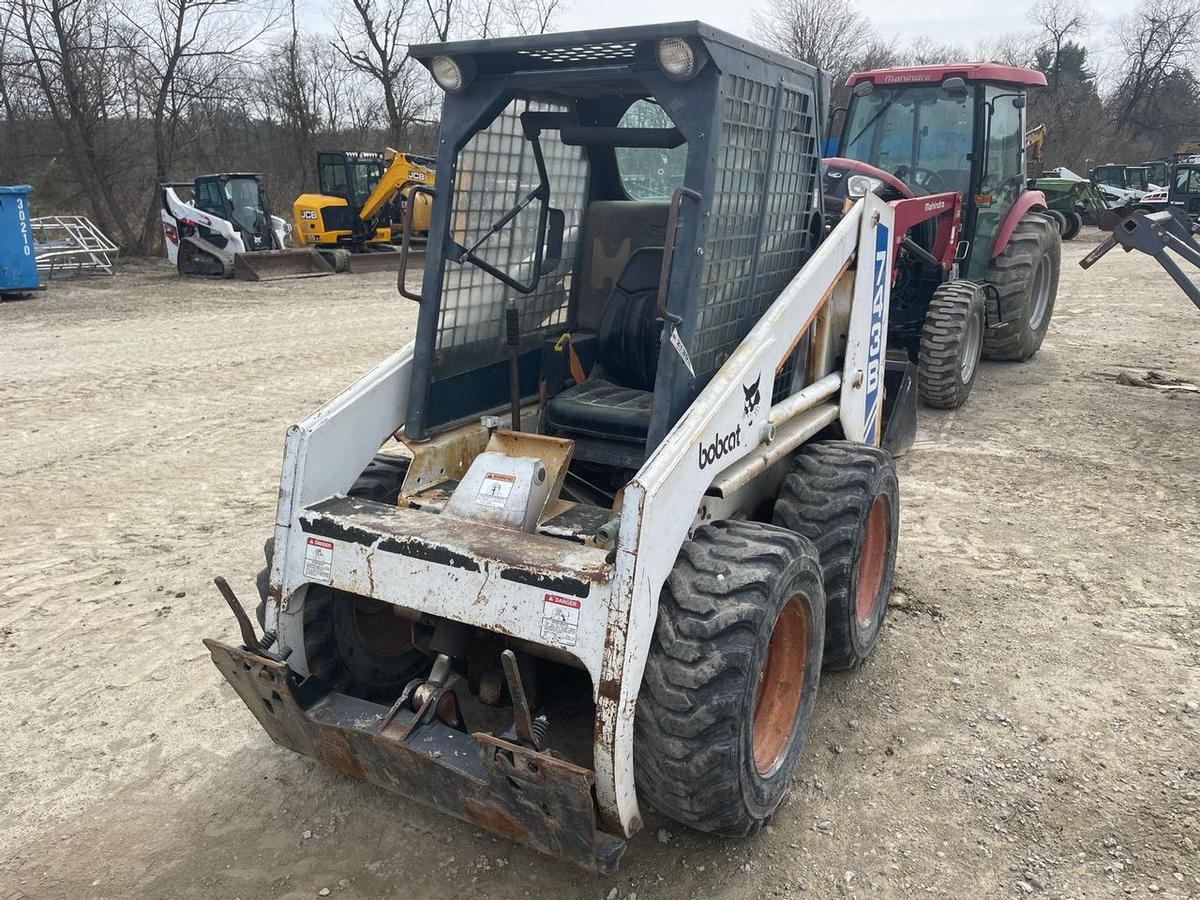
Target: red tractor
<point>954,134</point>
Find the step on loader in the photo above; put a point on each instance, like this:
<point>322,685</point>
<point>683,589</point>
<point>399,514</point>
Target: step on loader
<point>224,229</point>
<point>954,135</point>
<point>586,544</point>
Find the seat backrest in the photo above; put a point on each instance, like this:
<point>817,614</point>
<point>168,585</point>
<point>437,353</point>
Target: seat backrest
<point>628,334</point>
<point>613,230</point>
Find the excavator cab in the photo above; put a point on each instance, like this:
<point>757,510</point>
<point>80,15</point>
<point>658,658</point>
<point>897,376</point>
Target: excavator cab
<point>362,194</point>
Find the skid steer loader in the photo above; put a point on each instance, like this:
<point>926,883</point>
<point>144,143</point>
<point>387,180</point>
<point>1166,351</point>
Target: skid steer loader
<point>587,542</point>
<point>225,230</point>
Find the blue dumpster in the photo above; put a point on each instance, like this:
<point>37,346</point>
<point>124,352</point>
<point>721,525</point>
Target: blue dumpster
<point>18,261</point>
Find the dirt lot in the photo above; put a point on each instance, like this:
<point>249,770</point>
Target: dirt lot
<point>1029,726</point>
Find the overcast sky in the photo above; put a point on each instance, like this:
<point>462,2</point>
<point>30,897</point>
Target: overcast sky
<point>962,22</point>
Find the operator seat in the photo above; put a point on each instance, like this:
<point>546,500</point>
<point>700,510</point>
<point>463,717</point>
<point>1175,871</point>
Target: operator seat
<point>614,401</point>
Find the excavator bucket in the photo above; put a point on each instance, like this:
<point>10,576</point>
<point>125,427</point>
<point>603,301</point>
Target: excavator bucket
<point>269,265</point>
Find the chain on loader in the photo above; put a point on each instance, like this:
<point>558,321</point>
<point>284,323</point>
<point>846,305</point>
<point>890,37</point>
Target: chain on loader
<point>589,540</point>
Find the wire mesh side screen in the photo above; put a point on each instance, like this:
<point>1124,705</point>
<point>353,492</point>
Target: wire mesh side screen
<point>496,170</point>
<point>762,203</point>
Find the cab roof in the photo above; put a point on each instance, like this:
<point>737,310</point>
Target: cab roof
<point>937,74</point>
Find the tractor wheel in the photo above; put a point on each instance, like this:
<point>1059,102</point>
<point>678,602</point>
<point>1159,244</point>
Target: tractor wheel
<point>951,341</point>
<point>1060,219</point>
<point>1074,224</point>
<point>845,498</point>
<point>1025,277</point>
<point>360,645</point>
<point>731,678</point>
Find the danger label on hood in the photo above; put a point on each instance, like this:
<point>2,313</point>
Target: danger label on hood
<point>318,560</point>
<point>560,620</point>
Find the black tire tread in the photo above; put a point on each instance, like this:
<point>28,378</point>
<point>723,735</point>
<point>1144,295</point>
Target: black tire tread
<point>943,338</point>
<point>691,701</point>
<point>824,498</point>
<point>1011,274</point>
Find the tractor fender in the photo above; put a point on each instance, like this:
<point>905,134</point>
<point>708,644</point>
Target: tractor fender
<point>1027,201</point>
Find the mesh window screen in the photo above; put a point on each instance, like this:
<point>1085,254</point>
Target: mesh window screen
<point>766,171</point>
<point>496,170</point>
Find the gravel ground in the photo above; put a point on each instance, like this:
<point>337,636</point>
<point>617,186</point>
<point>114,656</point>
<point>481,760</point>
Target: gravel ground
<point>1030,724</point>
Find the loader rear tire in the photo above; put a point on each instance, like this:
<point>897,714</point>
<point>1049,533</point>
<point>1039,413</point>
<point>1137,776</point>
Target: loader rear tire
<point>1060,219</point>
<point>731,678</point>
<point>951,343</point>
<point>845,498</point>
<point>358,644</point>
<point>1025,277</point>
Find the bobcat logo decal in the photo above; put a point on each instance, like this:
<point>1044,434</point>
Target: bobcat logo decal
<point>753,397</point>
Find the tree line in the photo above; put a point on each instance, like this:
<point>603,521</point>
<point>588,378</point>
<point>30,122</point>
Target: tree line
<point>102,100</point>
<point>1125,90</point>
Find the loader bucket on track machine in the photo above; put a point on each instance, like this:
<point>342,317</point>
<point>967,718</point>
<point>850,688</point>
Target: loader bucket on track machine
<point>269,265</point>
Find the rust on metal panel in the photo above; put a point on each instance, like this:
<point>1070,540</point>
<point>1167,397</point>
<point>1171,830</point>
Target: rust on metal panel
<point>507,788</point>
<point>527,558</point>
<point>444,456</point>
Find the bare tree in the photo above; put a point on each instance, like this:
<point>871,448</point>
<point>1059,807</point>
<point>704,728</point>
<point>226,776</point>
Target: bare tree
<point>373,38</point>
<point>74,49</point>
<point>185,50</point>
<point>829,34</point>
<point>1160,44</point>
<point>1059,21</point>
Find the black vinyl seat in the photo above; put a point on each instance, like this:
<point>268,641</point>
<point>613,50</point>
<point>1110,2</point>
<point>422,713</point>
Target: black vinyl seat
<point>616,398</point>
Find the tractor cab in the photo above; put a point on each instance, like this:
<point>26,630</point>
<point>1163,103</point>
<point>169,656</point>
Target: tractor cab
<point>1184,193</point>
<point>240,199</point>
<point>933,129</point>
<point>1157,172</point>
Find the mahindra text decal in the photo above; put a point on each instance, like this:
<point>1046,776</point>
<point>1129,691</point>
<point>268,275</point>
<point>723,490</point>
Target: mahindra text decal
<point>875,349</point>
<point>903,78</point>
<point>935,205</point>
<point>719,446</point>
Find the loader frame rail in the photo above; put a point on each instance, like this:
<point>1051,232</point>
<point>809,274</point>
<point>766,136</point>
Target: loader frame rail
<point>1154,234</point>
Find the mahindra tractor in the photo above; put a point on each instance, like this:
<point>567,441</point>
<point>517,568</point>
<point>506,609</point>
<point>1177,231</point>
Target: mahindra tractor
<point>979,282</point>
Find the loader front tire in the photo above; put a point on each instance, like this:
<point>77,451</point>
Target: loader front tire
<point>359,644</point>
<point>1025,278</point>
<point>731,677</point>
<point>951,342</point>
<point>845,498</point>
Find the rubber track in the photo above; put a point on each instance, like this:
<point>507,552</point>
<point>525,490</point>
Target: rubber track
<point>692,699</point>
<point>824,498</point>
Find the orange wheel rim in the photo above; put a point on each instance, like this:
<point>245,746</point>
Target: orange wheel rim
<point>382,629</point>
<point>780,686</point>
<point>872,558</point>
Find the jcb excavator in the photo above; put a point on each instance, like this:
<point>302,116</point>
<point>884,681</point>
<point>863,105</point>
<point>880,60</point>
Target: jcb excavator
<point>362,194</point>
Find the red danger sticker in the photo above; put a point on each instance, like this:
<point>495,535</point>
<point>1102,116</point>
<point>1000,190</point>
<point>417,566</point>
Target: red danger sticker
<point>318,560</point>
<point>560,619</point>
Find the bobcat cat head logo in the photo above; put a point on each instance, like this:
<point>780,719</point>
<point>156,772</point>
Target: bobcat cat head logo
<point>753,397</point>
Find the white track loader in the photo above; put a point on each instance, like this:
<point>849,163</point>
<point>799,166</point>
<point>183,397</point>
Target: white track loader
<point>587,542</point>
<point>226,230</point>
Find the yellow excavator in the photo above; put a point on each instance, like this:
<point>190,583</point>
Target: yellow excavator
<point>362,196</point>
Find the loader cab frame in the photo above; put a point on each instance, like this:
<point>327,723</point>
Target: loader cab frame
<point>1184,191</point>
<point>948,128</point>
<point>241,199</point>
<point>579,183</point>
